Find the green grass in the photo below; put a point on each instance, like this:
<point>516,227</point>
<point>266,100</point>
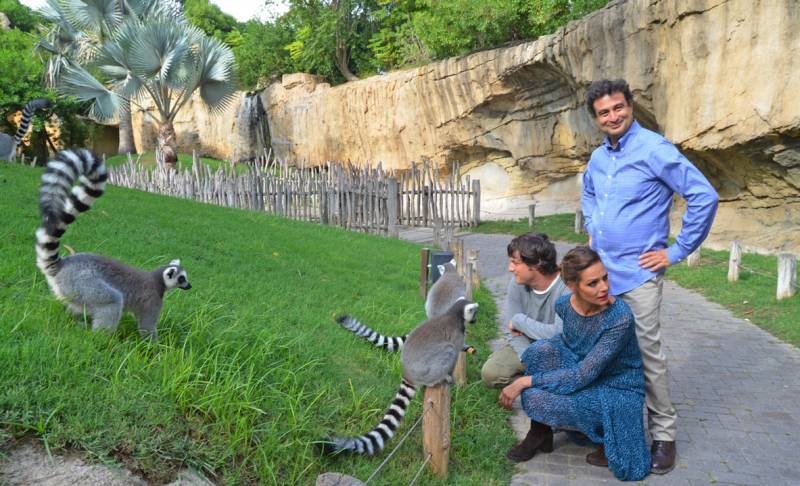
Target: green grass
<point>250,368</point>
<point>752,297</point>
<point>557,227</point>
<point>148,159</point>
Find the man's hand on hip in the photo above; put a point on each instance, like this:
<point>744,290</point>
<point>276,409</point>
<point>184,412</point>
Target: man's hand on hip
<point>654,260</point>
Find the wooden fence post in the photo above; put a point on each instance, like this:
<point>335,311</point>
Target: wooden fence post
<point>787,275</point>
<point>472,261</point>
<point>436,427</point>
<point>324,217</point>
<point>476,202</point>
<point>461,257</point>
<point>423,271</point>
<point>579,221</point>
<point>531,215</point>
<point>693,260</point>
<point>437,233</point>
<point>426,203</point>
<point>391,206</point>
<point>734,261</point>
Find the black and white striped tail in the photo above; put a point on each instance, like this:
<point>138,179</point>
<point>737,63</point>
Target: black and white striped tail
<point>27,115</point>
<point>389,343</point>
<point>60,203</point>
<point>375,440</point>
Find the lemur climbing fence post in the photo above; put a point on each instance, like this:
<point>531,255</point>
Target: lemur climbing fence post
<point>436,427</point>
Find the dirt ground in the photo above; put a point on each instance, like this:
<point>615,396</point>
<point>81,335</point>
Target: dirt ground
<point>28,463</point>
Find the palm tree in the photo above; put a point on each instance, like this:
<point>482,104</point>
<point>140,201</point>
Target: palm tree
<point>76,28</point>
<point>152,53</point>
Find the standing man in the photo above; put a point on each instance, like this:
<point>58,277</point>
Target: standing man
<point>627,194</point>
<point>530,312</point>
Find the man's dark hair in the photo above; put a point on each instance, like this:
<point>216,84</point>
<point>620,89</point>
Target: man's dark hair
<point>535,250</point>
<point>605,87</point>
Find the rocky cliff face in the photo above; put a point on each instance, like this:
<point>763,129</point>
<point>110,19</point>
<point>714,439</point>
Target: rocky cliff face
<point>716,77</point>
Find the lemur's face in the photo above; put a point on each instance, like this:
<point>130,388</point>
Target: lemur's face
<point>176,277</point>
<point>469,312</point>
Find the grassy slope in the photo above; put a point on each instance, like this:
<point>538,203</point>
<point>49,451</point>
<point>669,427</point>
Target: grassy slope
<point>250,368</point>
<point>752,297</point>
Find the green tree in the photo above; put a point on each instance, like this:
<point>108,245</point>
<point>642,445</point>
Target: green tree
<point>210,19</point>
<point>331,36</point>
<point>160,57</point>
<point>460,26</point>
<point>396,43</point>
<point>20,16</point>
<point>261,53</point>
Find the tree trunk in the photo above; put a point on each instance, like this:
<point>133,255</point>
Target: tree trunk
<point>167,145</point>
<point>343,59</point>
<point>126,143</point>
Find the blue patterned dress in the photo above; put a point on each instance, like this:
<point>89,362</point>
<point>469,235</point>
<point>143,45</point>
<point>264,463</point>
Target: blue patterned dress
<point>589,378</point>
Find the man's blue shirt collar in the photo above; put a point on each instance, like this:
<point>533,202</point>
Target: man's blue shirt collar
<point>632,131</point>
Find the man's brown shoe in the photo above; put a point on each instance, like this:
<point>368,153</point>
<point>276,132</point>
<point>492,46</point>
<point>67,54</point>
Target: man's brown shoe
<point>598,457</point>
<point>662,454</point>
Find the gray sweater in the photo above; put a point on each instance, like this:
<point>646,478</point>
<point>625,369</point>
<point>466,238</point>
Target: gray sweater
<point>532,313</point>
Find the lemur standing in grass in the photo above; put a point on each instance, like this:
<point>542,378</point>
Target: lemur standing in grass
<point>87,283</point>
<point>8,144</point>
<point>428,357</point>
<point>448,289</point>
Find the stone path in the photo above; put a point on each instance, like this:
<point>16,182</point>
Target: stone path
<point>736,389</point>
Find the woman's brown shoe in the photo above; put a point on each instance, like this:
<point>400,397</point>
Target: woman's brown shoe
<point>597,457</point>
<point>539,438</point>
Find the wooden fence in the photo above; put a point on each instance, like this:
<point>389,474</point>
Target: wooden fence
<point>356,197</point>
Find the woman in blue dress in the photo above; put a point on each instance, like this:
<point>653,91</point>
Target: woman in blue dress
<point>587,379</point>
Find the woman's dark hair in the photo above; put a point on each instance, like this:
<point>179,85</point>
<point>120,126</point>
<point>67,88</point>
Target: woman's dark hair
<point>576,261</point>
<point>605,87</point>
<point>535,250</point>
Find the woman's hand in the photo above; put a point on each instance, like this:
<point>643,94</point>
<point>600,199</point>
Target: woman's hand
<point>513,390</point>
<point>512,329</point>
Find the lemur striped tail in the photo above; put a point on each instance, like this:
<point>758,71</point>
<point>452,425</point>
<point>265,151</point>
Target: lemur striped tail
<point>60,202</point>
<point>375,440</point>
<point>390,343</point>
<point>27,115</point>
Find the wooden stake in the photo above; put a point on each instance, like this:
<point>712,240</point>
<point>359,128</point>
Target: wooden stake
<point>531,215</point>
<point>391,203</point>
<point>472,261</point>
<point>787,275</point>
<point>424,255</point>
<point>460,370</point>
<point>734,261</point>
<point>476,202</point>
<point>578,221</point>
<point>693,260</point>
<point>436,427</point>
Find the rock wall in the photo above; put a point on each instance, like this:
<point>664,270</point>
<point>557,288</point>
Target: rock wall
<point>717,77</point>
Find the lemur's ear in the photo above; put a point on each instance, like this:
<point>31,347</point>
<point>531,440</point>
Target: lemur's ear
<point>175,262</point>
<point>441,269</point>
<point>453,261</point>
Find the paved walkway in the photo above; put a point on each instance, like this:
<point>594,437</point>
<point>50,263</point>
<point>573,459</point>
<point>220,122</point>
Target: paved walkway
<point>736,389</point>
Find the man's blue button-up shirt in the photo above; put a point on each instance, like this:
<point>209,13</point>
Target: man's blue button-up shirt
<point>627,196</point>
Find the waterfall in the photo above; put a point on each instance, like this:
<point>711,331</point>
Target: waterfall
<point>252,131</point>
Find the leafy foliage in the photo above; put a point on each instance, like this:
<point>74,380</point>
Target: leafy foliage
<point>346,39</point>
<point>21,82</point>
<point>210,19</point>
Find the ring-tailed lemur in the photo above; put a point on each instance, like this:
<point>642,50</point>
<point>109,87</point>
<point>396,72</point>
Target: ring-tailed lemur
<point>428,358</point>
<point>8,144</point>
<point>99,286</point>
<point>448,289</point>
